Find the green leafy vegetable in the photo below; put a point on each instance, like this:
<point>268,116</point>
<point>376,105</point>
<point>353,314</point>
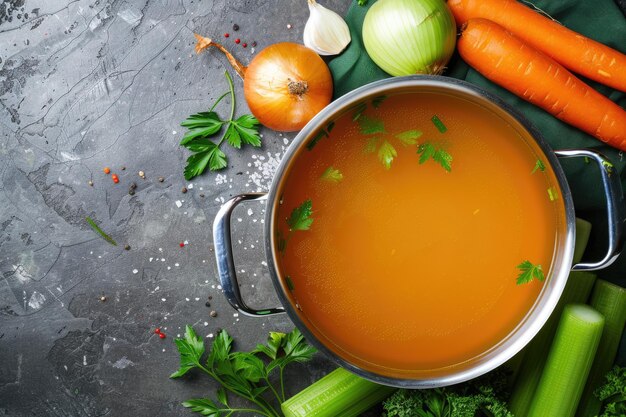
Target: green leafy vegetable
<point>409,137</point>
<point>613,393</point>
<point>202,126</point>
<point>245,374</point>
<point>484,396</point>
<point>528,271</point>
<point>324,133</point>
<point>97,229</point>
<point>439,124</point>
<point>386,154</point>
<point>370,126</point>
<point>332,175</point>
<point>377,101</point>
<point>538,166</point>
<point>300,218</point>
<point>439,155</point>
<point>553,194</point>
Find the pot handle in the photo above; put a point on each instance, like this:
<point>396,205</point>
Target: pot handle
<point>616,211</point>
<point>224,256</point>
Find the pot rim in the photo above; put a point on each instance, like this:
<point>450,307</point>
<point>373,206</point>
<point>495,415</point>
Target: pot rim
<point>528,327</point>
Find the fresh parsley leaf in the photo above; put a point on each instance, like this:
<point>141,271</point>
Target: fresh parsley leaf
<point>203,126</point>
<point>320,135</point>
<point>197,163</point>
<point>553,194</point>
<point>426,151</point>
<point>300,218</point>
<point>409,137</point>
<point>358,111</point>
<point>370,126</point>
<point>528,271</point>
<point>221,348</point>
<point>377,101</point>
<point>371,144</point>
<point>386,154</point>
<point>191,349</point>
<point>332,175</point>
<point>441,156</point>
<point>99,231</point>
<point>205,407</point>
<point>539,166</point>
<point>249,366</point>
<point>444,159</point>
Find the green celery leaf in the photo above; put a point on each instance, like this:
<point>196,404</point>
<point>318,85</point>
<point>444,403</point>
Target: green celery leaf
<point>300,218</point>
<point>409,137</point>
<point>249,366</point>
<point>205,407</point>
<point>386,154</point>
<point>191,349</point>
<point>370,126</point>
<point>332,175</point>
<point>444,159</point>
<point>528,271</point>
<point>221,348</point>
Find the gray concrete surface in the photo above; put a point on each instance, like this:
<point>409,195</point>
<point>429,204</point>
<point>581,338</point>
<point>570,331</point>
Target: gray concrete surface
<point>86,84</point>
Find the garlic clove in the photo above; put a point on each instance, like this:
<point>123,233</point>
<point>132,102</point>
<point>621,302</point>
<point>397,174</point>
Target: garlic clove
<point>325,32</point>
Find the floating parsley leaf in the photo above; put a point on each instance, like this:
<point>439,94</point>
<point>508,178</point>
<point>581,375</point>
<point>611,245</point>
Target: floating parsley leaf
<point>377,101</point>
<point>439,124</point>
<point>97,229</point>
<point>386,154</point>
<point>409,137</point>
<point>289,283</point>
<point>243,130</point>
<point>528,271</point>
<point>332,175</point>
<point>358,111</point>
<point>538,166</point>
<point>429,151</point>
<point>300,218</point>
<point>371,126</point>
<point>320,135</point>
<point>371,144</point>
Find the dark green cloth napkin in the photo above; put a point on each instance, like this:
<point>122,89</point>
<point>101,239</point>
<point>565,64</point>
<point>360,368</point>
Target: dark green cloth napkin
<point>601,20</point>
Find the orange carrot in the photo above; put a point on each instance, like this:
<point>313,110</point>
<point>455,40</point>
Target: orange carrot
<point>500,56</point>
<point>571,49</point>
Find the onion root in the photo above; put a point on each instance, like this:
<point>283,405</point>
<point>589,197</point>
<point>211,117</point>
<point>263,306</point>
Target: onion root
<point>205,43</point>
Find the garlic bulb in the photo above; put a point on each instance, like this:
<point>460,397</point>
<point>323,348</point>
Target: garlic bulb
<point>325,32</point>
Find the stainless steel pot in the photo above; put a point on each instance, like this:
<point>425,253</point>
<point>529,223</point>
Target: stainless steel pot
<point>553,287</point>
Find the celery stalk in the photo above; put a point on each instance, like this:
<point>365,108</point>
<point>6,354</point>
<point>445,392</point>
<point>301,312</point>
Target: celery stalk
<point>577,290</point>
<point>338,394</point>
<point>610,301</point>
<point>569,362</point>
<point>583,230</point>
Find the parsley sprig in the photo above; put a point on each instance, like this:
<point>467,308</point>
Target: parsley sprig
<point>528,272</point>
<point>300,220</point>
<point>439,155</point>
<point>245,374</point>
<point>202,126</point>
<point>379,141</point>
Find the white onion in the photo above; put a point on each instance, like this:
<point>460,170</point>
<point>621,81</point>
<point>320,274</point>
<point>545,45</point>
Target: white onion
<point>406,37</point>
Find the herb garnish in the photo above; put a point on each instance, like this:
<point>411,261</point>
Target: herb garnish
<point>439,124</point>
<point>332,175</point>
<point>300,218</point>
<point>553,194</point>
<point>538,166</point>
<point>528,271</point>
<point>439,155</point>
<point>386,151</point>
<point>97,229</point>
<point>203,125</point>
<point>245,374</point>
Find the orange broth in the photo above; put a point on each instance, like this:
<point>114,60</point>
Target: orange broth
<point>414,267</point>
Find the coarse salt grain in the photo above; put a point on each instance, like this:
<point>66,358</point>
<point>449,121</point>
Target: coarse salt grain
<point>190,186</point>
<point>179,204</point>
<point>135,271</point>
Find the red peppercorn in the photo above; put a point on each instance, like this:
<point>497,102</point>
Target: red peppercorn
<point>237,40</point>
<point>245,45</point>
<point>181,244</point>
<point>162,335</point>
<point>157,330</point>
<point>115,178</point>
<point>226,35</point>
<point>107,170</point>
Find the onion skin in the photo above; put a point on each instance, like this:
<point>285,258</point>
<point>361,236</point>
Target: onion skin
<point>286,85</point>
<point>405,37</point>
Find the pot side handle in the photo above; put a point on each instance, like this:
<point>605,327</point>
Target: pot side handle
<point>616,211</point>
<point>224,256</point>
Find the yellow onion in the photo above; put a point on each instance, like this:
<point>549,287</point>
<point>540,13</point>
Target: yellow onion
<point>406,37</point>
<point>285,85</point>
